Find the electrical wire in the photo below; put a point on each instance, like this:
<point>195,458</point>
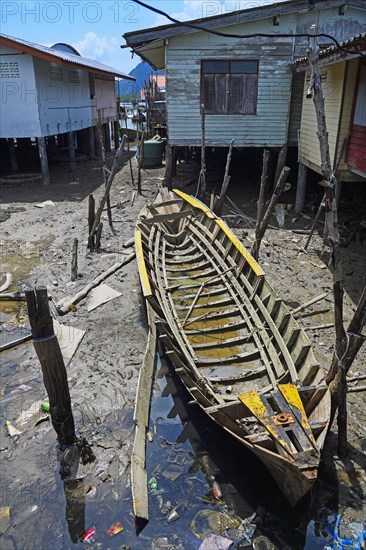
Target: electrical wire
<point>253,35</point>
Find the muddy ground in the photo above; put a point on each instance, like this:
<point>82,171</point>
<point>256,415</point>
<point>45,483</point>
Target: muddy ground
<point>103,373</point>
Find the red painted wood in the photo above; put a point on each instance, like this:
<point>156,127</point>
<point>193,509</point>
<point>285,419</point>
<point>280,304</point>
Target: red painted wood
<point>356,154</point>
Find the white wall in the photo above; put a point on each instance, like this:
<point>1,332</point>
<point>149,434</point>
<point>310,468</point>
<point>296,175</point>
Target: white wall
<point>19,115</point>
<point>64,98</point>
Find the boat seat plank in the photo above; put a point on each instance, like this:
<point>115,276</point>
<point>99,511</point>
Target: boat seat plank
<point>262,410</point>
<point>220,328</point>
<point>173,267</point>
<point>212,305</point>
<point>223,343</point>
<point>240,358</point>
<point>158,218</point>
<point>238,377</point>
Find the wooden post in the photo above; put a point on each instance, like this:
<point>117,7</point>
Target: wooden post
<point>98,235</point>
<point>128,149</point>
<point>42,151</point>
<point>105,169</point>
<point>315,91</point>
<point>140,162</point>
<point>53,368</point>
<point>301,188</point>
<point>274,200</point>
<point>71,147</point>
<point>262,191</point>
<point>220,201</point>
<point>281,161</point>
<point>91,142</point>
<point>74,260</point>
<point>97,143</point>
<point>13,156</point>
<point>168,180</point>
<point>107,133</point>
<point>201,187</point>
<point>103,201</point>
<point>91,218</point>
<point>116,134</point>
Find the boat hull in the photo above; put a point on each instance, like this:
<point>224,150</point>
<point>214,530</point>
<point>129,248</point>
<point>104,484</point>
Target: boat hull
<point>231,339</point>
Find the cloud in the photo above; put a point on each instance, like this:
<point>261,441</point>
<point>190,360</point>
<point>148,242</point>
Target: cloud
<point>197,9</point>
<point>97,47</point>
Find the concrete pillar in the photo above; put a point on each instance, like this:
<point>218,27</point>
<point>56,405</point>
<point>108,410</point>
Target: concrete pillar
<point>301,188</point>
<point>42,151</point>
<point>107,137</point>
<point>116,134</point>
<point>13,156</point>
<point>71,147</point>
<point>91,151</point>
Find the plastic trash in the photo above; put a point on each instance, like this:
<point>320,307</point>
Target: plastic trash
<point>46,407</point>
<point>208,522</point>
<point>89,536</point>
<point>244,533</point>
<point>173,516</point>
<point>215,542</point>
<point>153,484</point>
<point>114,529</point>
<point>347,537</point>
<point>23,388</point>
<point>215,487</point>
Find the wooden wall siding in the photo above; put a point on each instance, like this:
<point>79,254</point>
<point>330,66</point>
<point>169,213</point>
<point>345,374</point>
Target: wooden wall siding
<point>295,108</point>
<point>333,91</point>
<point>345,123</point>
<point>268,127</point>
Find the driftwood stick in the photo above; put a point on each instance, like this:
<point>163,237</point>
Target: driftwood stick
<point>74,260</point>
<point>54,372</point>
<point>63,306</point>
<point>310,302</point>
<point>128,243</point>
<point>91,219</point>
<point>219,203</point>
<point>280,161</point>
<point>112,174</point>
<point>274,200</point>
<point>356,389</point>
<point>319,327</point>
<point>105,169</point>
<point>321,206</point>
<point>357,378</point>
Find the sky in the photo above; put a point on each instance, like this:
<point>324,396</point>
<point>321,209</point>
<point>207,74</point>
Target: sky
<point>95,28</point>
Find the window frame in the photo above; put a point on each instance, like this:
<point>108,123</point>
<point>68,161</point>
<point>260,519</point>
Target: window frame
<point>228,78</point>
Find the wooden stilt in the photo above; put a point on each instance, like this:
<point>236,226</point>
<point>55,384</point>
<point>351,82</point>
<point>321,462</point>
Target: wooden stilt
<point>301,188</point>
<point>168,181</point>
<point>54,372</point>
<point>71,146</point>
<point>74,260</point>
<point>91,142</point>
<point>13,156</point>
<point>107,134</point>
<point>116,134</point>
<point>42,151</point>
<point>105,169</point>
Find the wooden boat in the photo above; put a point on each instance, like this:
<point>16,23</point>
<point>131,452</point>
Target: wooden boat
<point>231,339</point>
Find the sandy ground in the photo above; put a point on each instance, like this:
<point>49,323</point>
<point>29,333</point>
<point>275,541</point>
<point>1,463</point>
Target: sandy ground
<point>36,244</point>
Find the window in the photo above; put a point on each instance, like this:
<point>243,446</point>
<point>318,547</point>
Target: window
<point>230,87</point>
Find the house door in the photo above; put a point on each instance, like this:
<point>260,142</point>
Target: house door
<point>356,154</point>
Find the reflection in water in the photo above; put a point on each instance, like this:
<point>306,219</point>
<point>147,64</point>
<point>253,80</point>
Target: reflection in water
<point>75,508</point>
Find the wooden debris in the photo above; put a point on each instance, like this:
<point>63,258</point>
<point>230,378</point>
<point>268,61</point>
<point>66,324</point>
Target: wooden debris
<point>9,279</point>
<point>310,302</point>
<point>141,417</point>
<point>17,342</point>
<point>66,304</point>
<point>356,389</point>
<point>91,219</point>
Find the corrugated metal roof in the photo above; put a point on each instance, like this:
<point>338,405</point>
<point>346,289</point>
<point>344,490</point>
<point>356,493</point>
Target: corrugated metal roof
<point>66,57</point>
<point>325,52</point>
